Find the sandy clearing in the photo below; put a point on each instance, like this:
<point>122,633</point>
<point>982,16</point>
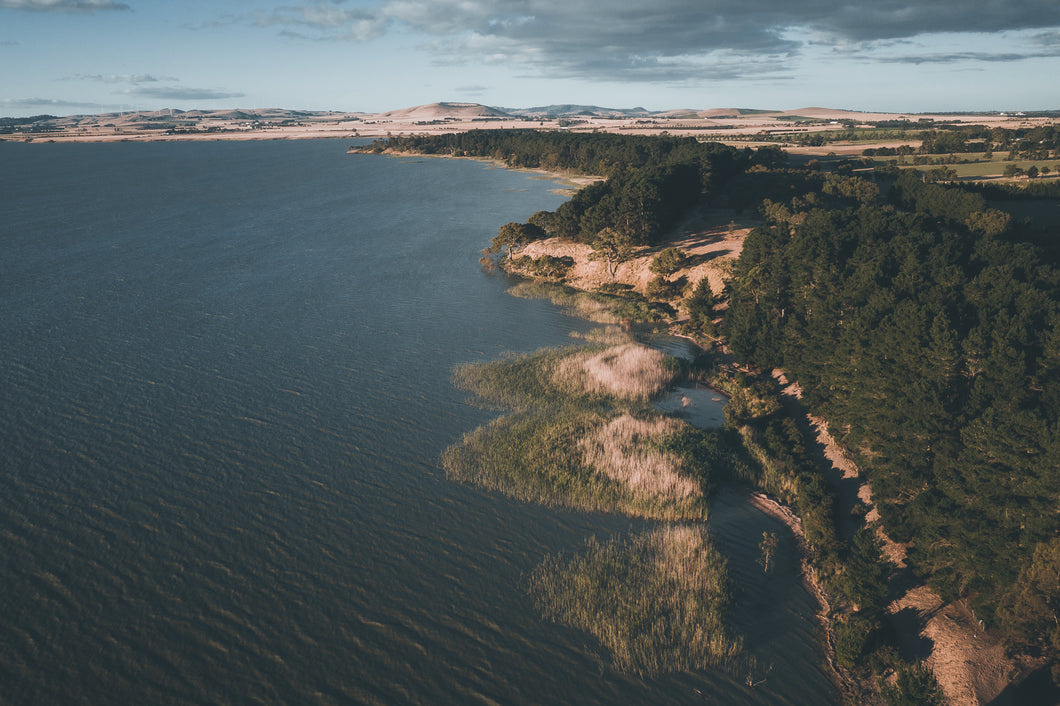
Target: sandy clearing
<point>712,239</point>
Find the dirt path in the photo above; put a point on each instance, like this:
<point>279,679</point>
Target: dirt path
<point>969,663</point>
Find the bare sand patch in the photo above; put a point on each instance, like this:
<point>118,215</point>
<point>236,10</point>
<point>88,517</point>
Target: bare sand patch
<point>712,239</point>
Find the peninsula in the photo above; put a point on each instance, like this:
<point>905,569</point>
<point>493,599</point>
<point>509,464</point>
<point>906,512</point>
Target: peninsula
<point>882,396</point>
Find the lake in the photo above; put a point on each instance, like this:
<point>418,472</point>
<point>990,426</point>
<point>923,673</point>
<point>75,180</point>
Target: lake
<point>226,373</point>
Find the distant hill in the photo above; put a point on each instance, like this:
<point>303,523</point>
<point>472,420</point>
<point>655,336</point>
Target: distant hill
<point>570,110</point>
<point>439,111</point>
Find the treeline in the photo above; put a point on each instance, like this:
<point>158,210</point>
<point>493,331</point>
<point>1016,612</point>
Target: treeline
<point>601,154</point>
<point>1040,142</point>
<point>650,185</point>
<point>929,336</point>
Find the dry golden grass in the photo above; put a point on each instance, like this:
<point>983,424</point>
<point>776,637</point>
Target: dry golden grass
<point>622,450</point>
<point>630,371</point>
<point>605,335</point>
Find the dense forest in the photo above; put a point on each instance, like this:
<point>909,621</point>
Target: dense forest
<point>926,332</point>
<point>920,319</point>
<point>647,185</point>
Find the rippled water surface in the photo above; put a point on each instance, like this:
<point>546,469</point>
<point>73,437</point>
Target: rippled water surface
<point>225,388</point>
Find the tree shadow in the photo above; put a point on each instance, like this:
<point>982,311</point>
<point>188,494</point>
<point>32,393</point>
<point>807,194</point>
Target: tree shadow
<point>694,260</point>
<point>846,489</point>
<point>905,627</point>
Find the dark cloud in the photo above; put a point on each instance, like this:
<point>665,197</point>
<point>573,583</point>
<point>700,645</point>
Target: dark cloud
<point>692,39</point>
<point>63,5</point>
<point>179,93</point>
<point>663,40</point>
<point>888,19</point>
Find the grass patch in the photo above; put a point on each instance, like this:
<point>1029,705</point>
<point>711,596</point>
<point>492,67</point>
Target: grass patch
<point>599,307</point>
<point>618,451</point>
<point>575,375</point>
<point>584,435</point>
<point>562,457</point>
<point>656,602</point>
<point>627,372</point>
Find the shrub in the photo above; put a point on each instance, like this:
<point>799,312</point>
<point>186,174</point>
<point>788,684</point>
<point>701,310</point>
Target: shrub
<point>915,686</point>
<point>668,262</point>
<point>852,639</point>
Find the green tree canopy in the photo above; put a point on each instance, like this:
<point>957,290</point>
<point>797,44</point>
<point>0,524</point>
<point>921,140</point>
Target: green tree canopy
<point>613,247</point>
<point>513,236</point>
<point>668,262</point>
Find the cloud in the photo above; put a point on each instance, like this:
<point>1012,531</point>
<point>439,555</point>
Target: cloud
<point>323,21</point>
<point>119,78</point>
<point>140,85</point>
<point>179,93</point>
<point>662,40</point>
<point>62,5</point>
<point>47,103</point>
<point>966,56</point>
<point>471,90</point>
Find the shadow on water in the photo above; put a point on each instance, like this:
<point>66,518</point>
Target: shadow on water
<point>772,611</point>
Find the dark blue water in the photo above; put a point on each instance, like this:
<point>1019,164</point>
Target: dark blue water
<point>225,373</point>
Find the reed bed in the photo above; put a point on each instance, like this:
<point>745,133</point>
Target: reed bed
<point>625,451</point>
<point>533,456</point>
<point>629,371</point>
<point>592,306</point>
<point>517,381</point>
<point>656,601</point>
<point>609,335</point>
<point>583,436</point>
<point>573,375</point>
<point>529,456</point>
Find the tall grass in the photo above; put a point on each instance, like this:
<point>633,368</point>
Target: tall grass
<point>595,374</point>
<point>630,372</point>
<point>619,451</point>
<point>592,306</point>
<point>656,602</point>
<point>517,381</point>
<point>610,335</point>
<point>536,456</point>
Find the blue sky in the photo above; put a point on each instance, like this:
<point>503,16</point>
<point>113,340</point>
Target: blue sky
<point>90,56</point>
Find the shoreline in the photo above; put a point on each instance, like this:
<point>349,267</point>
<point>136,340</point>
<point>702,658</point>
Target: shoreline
<point>572,181</point>
<point>711,236</point>
<point>969,664</point>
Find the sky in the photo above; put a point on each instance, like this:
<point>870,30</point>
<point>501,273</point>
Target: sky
<point>64,57</point>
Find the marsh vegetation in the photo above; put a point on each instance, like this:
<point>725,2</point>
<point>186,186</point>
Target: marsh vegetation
<point>657,601</point>
<point>582,433</point>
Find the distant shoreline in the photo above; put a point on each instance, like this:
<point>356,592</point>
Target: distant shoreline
<point>274,124</point>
